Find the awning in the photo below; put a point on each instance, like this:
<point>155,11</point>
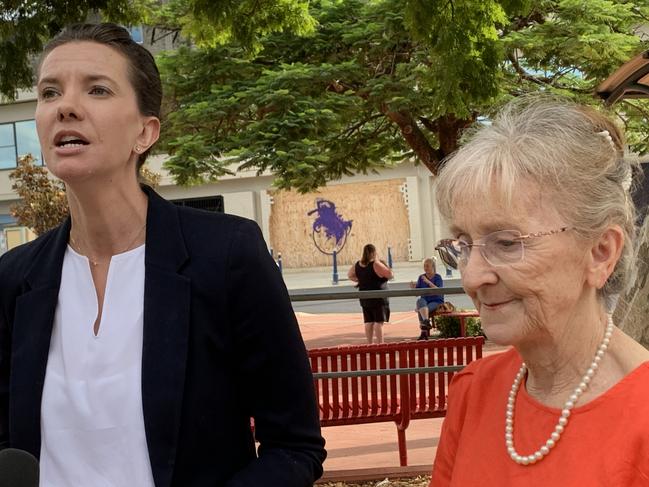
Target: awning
<point>631,80</point>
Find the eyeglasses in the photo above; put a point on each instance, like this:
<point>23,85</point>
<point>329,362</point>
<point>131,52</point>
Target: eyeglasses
<point>501,248</point>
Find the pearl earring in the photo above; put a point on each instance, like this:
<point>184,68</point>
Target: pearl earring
<point>138,149</point>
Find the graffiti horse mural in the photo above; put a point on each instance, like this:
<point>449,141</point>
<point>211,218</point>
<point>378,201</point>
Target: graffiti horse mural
<point>330,230</point>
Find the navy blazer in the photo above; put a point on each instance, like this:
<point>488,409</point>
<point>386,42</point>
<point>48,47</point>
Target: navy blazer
<point>221,345</point>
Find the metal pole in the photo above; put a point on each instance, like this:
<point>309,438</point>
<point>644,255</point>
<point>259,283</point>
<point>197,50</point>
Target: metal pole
<point>389,257</point>
<point>397,371</point>
<point>335,276</point>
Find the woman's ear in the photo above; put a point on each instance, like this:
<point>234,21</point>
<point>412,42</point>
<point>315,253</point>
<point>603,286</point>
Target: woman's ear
<point>150,132</point>
<point>604,254</point>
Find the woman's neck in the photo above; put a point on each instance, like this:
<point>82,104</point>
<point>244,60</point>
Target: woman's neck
<point>557,362</point>
<point>107,220</point>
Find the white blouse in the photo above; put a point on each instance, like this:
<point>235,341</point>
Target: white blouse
<point>92,424</point>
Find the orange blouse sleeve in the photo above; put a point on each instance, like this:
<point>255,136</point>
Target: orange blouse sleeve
<point>451,429</point>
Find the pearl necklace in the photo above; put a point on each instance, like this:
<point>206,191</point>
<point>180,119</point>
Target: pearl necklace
<point>565,412</point>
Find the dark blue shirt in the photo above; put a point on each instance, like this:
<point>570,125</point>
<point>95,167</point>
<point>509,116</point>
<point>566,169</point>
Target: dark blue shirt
<point>437,280</point>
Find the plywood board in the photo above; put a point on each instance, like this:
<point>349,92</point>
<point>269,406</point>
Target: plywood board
<point>378,215</point>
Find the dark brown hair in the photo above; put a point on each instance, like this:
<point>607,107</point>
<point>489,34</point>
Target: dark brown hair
<point>369,252</point>
<point>142,70</point>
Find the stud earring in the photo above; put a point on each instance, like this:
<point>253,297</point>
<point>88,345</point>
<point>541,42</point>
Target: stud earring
<point>138,149</point>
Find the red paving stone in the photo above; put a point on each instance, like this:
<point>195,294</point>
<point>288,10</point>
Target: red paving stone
<point>368,446</point>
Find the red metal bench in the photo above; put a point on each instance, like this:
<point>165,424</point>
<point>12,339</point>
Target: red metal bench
<point>391,395</point>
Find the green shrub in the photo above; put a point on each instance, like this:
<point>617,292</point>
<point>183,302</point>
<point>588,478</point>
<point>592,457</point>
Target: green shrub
<point>449,326</point>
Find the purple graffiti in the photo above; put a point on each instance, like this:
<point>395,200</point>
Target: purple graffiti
<point>334,226</point>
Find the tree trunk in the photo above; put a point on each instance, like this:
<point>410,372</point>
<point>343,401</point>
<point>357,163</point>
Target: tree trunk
<point>632,311</point>
<point>416,139</point>
<point>447,130</point>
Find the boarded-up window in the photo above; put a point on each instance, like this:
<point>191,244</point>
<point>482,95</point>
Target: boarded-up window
<point>377,211</point>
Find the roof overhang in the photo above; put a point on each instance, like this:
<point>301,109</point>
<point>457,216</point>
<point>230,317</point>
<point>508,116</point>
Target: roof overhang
<point>631,80</point>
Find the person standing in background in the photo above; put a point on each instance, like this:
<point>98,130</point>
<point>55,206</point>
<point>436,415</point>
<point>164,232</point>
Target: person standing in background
<point>371,274</point>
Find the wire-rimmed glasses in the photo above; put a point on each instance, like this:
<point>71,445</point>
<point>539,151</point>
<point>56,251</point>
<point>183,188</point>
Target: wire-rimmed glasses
<point>501,248</point>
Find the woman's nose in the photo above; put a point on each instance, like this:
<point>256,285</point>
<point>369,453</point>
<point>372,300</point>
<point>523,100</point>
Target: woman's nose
<point>477,271</point>
<point>68,109</point>
<point>64,113</point>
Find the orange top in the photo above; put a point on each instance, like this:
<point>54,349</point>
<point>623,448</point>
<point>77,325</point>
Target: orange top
<point>606,441</point>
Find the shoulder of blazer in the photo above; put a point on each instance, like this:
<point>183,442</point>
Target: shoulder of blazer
<point>15,263</point>
<point>216,229</point>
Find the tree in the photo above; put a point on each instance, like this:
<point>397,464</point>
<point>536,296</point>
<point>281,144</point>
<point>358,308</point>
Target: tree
<point>380,81</point>
<point>42,199</point>
<point>25,25</point>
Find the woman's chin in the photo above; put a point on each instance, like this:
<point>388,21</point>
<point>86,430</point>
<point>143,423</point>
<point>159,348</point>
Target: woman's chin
<point>500,333</point>
<point>70,170</point>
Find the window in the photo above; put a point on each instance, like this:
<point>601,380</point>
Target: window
<point>15,236</point>
<point>18,139</point>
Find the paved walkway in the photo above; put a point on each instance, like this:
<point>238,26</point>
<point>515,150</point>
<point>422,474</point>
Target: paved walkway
<point>371,445</point>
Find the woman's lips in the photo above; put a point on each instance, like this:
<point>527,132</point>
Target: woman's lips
<point>496,304</point>
<point>70,150</point>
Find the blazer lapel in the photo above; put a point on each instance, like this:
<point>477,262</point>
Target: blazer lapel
<point>32,330</point>
<point>166,331</point>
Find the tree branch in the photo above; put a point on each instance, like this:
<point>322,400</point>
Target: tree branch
<point>429,124</point>
<point>349,131</point>
<point>544,80</point>
<point>415,138</point>
<point>644,112</point>
<point>522,73</point>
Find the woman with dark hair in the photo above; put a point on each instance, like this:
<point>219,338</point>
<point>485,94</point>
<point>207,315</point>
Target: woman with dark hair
<point>371,274</point>
<point>129,352</point>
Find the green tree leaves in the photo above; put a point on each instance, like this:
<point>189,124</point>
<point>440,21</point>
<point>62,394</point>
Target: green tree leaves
<point>26,24</point>
<point>378,81</point>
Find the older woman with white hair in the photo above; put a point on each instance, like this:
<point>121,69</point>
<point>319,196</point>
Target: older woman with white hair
<point>542,227</point>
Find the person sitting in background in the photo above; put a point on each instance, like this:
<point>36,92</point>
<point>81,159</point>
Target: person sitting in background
<point>426,305</point>
<point>543,227</point>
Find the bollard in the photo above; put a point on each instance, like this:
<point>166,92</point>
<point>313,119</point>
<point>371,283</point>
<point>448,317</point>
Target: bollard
<point>279,261</point>
<point>335,276</point>
<point>389,257</point>
<point>448,272</point>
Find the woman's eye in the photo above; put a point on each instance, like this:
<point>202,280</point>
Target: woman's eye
<point>505,243</point>
<point>47,93</point>
<point>98,90</point>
